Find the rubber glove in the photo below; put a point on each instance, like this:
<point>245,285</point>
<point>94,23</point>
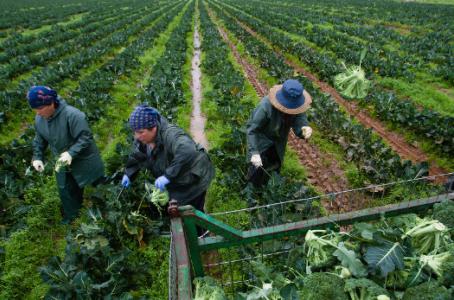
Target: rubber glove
<point>125,181</point>
<point>161,182</point>
<point>38,165</point>
<point>307,132</point>
<point>65,159</point>
<point>256,160</point>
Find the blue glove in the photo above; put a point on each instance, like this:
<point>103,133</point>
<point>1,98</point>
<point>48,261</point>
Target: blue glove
<point>161,182</point>
<point>125,182</point>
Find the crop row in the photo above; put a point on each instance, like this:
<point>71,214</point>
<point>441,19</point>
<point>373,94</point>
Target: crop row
<point>19,44</point>
<point>18,14</point>
<point>118,226</point>
<point>70,66</point>
<point>105,259</point>
<point>372,156</point>
<point>76,40</point>
<point>388,106</point>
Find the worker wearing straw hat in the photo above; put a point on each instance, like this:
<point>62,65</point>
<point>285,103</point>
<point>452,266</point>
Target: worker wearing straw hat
<point>268,127</point>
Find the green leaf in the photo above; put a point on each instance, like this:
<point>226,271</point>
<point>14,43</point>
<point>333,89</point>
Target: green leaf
<point>386,257</point>
<point>348,259</point>
<point>363,54</point>
<point>289,292</point>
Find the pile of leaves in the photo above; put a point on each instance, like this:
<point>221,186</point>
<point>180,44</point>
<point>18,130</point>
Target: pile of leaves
<point>404,257</point>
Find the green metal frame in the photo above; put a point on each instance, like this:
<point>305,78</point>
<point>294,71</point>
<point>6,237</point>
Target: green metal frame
<point>186,218</point>
<point>182,279</point>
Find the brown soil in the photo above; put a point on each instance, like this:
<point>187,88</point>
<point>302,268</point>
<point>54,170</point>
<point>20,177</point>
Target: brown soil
<point>394,140</point>
<point>197,127</point>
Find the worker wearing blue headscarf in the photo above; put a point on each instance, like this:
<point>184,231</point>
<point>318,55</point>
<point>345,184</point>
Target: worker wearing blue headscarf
<point>179,165</point>
<point>64,129</point>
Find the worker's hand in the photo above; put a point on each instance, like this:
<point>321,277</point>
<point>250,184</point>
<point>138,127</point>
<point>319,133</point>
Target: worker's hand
<point>65,159</point>
<point>256,160</point>
<point>307,132</point>
<point>125,181</point>
<point>38,165</point>
<point>161,182</point>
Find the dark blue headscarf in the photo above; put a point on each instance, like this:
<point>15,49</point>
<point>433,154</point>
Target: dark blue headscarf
<point>143,117</point>
<point>41,95</point>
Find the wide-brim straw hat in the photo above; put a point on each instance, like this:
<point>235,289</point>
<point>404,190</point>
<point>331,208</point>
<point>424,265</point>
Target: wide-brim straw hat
<point>282,100</point>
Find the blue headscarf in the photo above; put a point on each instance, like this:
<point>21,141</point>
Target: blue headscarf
<point>143,117</point>
<point>41,95</point>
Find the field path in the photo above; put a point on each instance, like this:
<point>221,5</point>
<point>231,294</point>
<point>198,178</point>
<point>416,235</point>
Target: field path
<point>396,141</point>
<point>197,127</point>
<point>324,171</point>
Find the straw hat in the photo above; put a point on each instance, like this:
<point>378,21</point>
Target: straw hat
<point>290,98</point>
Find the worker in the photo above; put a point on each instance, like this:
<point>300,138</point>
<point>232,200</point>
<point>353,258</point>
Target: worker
<point>65,130</point>
<point>269,125</point>
<point>180,166</point>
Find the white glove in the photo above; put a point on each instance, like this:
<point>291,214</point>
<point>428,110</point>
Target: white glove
<point>307,132</point>
<point>256,160</point>
<point>38,165</point>
<point>65,159</point>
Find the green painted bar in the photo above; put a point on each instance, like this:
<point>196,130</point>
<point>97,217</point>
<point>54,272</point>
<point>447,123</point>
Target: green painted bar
<point>300,228</point>
<point>193,245</point>
<point>183,281</point>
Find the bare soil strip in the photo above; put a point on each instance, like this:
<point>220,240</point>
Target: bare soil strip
<point>394,140</point>
<point>197,127</point>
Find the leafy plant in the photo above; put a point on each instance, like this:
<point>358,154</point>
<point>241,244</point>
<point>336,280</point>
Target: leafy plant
<point>155,196</point>
<point>385,257</point>
<point>352,83</point>
<point>364,289</point>
<point>207,288</point>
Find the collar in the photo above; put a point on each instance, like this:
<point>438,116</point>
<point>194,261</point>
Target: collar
<point>62,104</point>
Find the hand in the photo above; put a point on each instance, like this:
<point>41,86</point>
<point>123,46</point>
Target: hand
<point>38,165</point>
<point>125,181</point>
<point>161,182</point>
<point>307,132</point>
<point>256,160</point>
<point>65,159</point>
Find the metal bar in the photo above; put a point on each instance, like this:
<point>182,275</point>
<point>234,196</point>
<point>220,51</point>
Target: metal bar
<point>173,271</point>
<point>208,222</point>
<point>363,189</point>
<point>183,277</point>
<point>248,258</point>
<point>194,249</point>
<point>299,228</point>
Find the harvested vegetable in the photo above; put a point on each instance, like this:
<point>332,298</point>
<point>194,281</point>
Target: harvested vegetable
<point>155,196</point>
<point>353,83</point>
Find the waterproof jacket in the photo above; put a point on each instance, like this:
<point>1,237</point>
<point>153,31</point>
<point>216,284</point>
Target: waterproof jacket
<point>269,127</point>
<point>178,157</point>
<point>67,130</point>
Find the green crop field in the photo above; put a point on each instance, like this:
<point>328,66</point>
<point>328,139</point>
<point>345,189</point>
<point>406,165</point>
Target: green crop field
<point>106,57</point>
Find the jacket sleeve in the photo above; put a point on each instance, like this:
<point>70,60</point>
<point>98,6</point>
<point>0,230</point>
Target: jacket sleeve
<point>133,164</point>
<point>39,145</point>
<point>300,121</point>
<point>184,152</point>
<point>80,131</point>
<point>257,122</point>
